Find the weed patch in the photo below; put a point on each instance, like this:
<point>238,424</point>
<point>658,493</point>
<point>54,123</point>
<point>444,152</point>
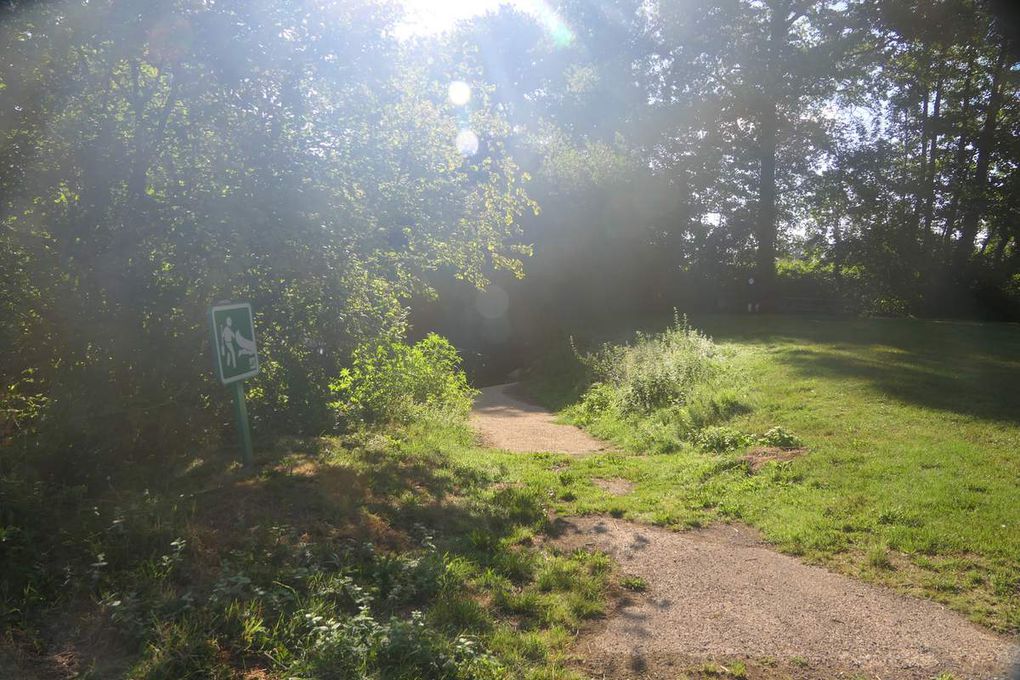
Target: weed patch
<point>659,394</point>
<point>372,557</point>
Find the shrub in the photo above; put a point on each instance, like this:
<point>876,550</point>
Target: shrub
<point>604,363</point>
<point>596,402</point>
<point>398,383</point>
<point>658,391</point>
<point>655,371</point>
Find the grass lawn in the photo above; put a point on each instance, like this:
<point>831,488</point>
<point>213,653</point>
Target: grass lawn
<point>911,475</point>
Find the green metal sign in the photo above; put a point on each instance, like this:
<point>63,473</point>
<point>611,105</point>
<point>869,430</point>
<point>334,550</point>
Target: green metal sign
<point>233,338</point>
<point>234,342</point>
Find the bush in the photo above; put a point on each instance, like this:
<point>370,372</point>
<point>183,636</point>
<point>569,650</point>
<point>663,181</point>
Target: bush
<point>656,392</point>
<point>599,400</point>
<point>398,383</point>
<point>656,371</point>
<point>663,390</point>
<point>842,289</point>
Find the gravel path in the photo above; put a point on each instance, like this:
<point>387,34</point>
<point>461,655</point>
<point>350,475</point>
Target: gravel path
<point>719,593</point>
<point>505,421</point>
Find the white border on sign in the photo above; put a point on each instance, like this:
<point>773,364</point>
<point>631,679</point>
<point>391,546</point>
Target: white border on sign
<point>215,336</point>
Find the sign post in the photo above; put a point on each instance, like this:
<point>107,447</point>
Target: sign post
<point>241,415</point>
<point>233,338</point>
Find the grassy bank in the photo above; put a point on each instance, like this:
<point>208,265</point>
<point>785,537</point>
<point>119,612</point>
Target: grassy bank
<point>906,471</point>
<point>368,556</point>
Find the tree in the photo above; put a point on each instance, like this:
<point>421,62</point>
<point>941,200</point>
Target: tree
<point>935,93</point>
<point>752,80</point>
<point>160,158</point>
<point>978,201</point>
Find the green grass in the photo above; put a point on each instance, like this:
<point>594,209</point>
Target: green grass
<point>911,471</point>
<point>372,556</point>
<point>415,553</point>
<point>634,583</point>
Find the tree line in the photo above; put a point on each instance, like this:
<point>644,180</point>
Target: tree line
<point>809,156</point>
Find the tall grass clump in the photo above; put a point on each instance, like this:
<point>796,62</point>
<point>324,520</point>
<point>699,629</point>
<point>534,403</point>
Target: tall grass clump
<point>656,370</point>
<point>656,391</point>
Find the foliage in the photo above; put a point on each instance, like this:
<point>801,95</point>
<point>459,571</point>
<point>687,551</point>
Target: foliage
<point>655,371</point>
<point>399,383</point>
<point>892,130</point>
<point>719,439</point>
<point>653,394</point>
<point>22,408</point>
<point>161,157</point>
<point>777,436</point>
<point>599,400</point>
<point>634,583</point>
<point>158,159</point>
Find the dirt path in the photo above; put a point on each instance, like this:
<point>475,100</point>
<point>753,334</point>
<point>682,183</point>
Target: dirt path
<point>720,594</point>
<point>504,421</point>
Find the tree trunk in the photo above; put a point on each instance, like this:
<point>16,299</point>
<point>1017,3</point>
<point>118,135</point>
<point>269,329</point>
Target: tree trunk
<point>929,198</point>
<point>765,231</point>
<point>977,203</point>
<point>958,180</point>
<point>768,133</point>
<point>1000,247</point>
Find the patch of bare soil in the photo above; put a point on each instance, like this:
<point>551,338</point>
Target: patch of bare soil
<point>505,421</point>
<point>719,594</point>
<point>17,663</point>
<point>615,486</point>
<point>760,455</point>
<point>76,644</point>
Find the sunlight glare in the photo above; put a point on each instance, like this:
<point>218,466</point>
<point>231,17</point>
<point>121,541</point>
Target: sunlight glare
<point>459,93</point>
<point>493,302</point>
<point>550,20</point>
<point>433,17</point>
<point>467,143</point>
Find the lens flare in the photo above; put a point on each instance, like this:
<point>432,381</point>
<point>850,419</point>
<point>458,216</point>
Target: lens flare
<point>550,20</point>
<point>493,302</point>
<point>459,93</point>
<point>467,143</point>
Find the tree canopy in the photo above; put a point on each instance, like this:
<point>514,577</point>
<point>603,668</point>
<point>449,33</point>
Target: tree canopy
<point>849,156</point>
<point>159,158</point>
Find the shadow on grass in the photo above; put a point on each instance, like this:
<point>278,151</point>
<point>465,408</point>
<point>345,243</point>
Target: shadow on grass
<point>382,538</point>
<point>971,369</point>
<point>381,496</point>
